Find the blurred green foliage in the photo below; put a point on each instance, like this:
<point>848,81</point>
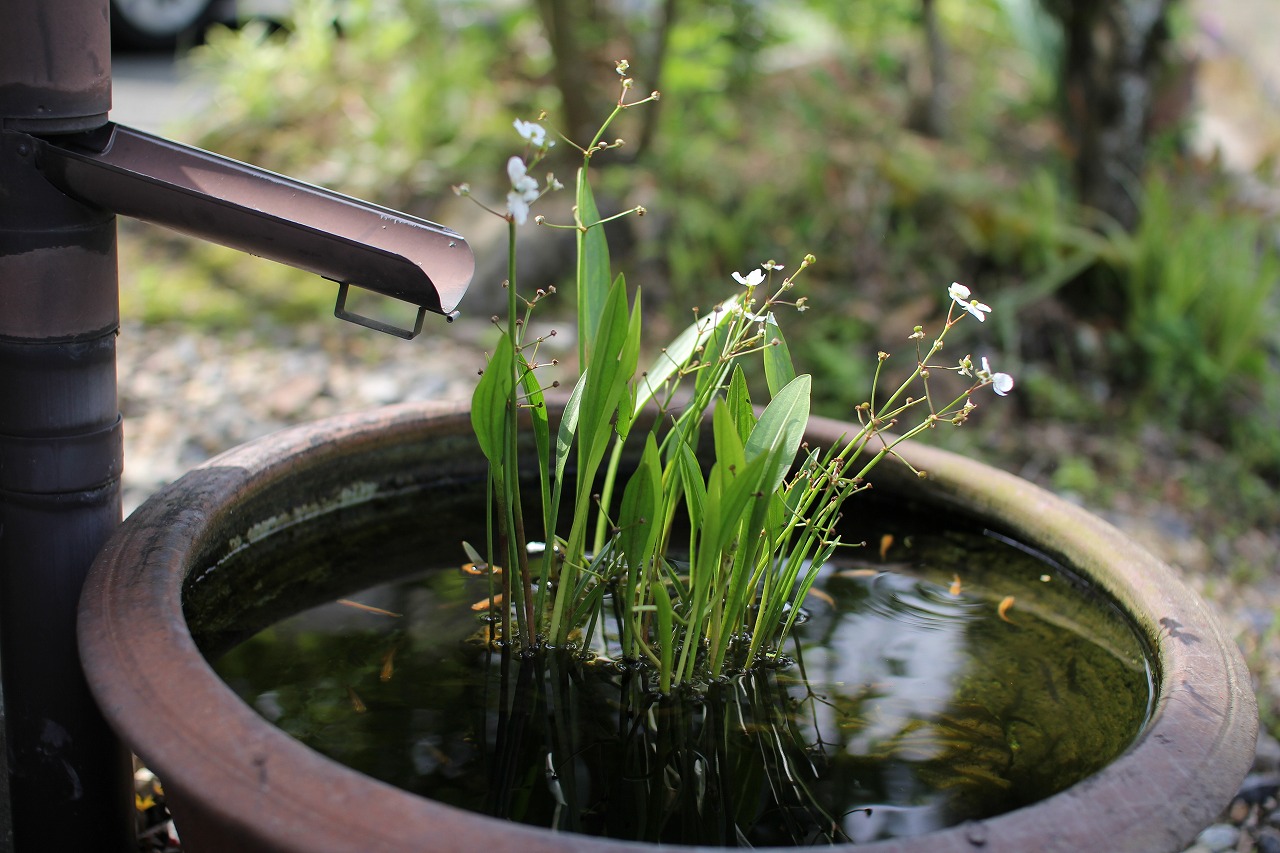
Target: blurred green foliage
<point>385,99</point>
<point>786,130</point>
<point>1199,281</point>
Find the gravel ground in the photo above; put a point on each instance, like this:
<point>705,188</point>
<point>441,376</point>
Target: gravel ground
<point>187,396</point>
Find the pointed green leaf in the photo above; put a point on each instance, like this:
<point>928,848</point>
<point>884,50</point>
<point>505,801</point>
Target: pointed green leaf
<point>778,369</point>
<point>640,515</point>
<point>728,444</point>
<point>568,427</point>
<point>778,434</point>
<point>666,635</point>
<point>489,401</point>
<point>676,355</point>
<point>594,274</point>
<point>713,356</point>
<point>612,365</point>
<point>695,489</point>
<point>730,497</point>
<point>739,401</point>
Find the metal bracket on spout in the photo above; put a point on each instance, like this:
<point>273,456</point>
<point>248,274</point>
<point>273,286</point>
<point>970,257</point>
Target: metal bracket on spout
<point>340,311</point>
<point>216,198</point>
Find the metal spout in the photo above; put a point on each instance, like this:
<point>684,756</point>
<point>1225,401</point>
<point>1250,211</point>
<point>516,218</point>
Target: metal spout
<point>225,201</point>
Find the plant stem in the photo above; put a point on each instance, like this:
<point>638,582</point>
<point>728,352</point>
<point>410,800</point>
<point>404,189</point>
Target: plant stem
<point>512,512</point>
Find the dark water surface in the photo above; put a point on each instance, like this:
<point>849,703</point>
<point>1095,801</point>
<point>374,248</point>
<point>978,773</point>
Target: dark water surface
<point>940,677</point>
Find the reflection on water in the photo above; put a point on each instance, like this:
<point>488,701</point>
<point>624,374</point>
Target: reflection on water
<point>952,677</point>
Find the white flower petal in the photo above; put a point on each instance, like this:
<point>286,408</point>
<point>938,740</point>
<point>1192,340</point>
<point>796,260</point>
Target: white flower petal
<point>523,184</point>
<point>533,132</point>
<point>751,279</point>
<point>518,207</point>
<point>516,170</point>
<point>961,294</point>
<point>1001,383</point>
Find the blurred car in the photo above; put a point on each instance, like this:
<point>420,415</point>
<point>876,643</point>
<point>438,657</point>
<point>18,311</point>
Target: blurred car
<point>162,24</point>
<point>166,24</point>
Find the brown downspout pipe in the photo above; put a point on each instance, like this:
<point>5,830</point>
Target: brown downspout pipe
<point>65,171</point>
<point>60,440</point>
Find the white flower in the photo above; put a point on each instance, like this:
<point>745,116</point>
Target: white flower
<point>751,279</point>
<point>524,189</point>
<point>966,366</point>
<point>533,133</point>
<point>760,318</point>
<point>518,208</point>
<point>960,294</point>
<point>521,182</point>
<point>1001,383</point>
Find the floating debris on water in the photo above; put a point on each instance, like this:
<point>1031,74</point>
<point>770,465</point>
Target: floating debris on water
<point>1002,610</point>
<point>367,608</point>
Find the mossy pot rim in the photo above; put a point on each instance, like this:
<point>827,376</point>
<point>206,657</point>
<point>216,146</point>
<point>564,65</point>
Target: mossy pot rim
<point>235,781</point>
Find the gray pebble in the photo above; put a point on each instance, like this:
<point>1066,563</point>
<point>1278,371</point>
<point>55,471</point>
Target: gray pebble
<point>1267,754</point>
<point>1268,841</point>
<point>1219,837</point>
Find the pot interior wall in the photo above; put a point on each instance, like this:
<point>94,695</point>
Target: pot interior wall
<point>392,512</point>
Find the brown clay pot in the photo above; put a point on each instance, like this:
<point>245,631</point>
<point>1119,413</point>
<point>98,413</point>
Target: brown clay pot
<point>236,783</point>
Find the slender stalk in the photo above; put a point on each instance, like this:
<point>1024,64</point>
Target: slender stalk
<point>513,514</point>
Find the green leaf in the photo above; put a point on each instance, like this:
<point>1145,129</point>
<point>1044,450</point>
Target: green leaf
<point>778,434</point>
<point>594,274</point>
<point>676,355</point>
<point>695,489</point>
<point>739,402</point>
<point>666,636</point>
<point>778,369</point>
<point>640,515</point>
<point>568,426</point>
<point>729,495</point>
<point>713,355</point>
<point>612,365</point>
<point>728,443</point>
<point>490,399</point>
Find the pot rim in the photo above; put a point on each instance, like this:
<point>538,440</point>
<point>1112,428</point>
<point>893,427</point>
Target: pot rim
<point>166,702</point>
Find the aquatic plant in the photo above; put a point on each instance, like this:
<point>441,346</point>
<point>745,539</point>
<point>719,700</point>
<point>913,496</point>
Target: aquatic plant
<point>694,570</point>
